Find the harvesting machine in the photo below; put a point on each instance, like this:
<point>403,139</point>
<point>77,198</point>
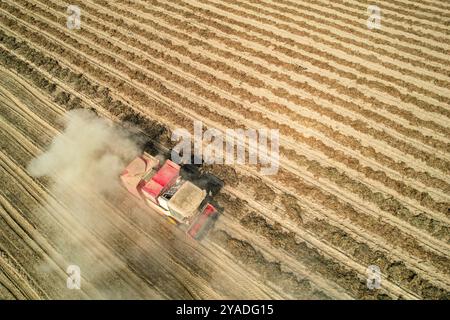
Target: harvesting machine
<point>163,188</point>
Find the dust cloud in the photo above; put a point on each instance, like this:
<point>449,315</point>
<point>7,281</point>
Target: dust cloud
<point>82,166</point>
<point>90,153</point>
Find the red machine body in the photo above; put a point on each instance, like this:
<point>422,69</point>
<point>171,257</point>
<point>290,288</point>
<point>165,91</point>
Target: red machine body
<point>163,189</point>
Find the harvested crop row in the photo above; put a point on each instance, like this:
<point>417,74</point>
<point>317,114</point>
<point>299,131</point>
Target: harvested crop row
<point>438,11</point>
<point>20,285</point>
<point>276,201</point>
<point>301,46</point>
<point>159,55</point>
<point>108,212</point>
<point>321,34</point>
<point>34,137</point>
<point>337,214</point>
<point>263,192</point>
<point>392,16</point>
<point>247,216</point>
<point>393,31</point>
<point>261,69</point>
<point>246,254</point>
<point>349,46</point>
<point>171,20</point>
<point>375,226</point>
<point>282,93</point>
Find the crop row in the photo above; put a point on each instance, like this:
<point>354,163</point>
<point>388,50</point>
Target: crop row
<point>185,68</point>
<point>354,93</point>
<point>355,24</point>
<point>439,231</point>
<point>77,82</point>
<point>112,82</point>
<point>283,93</point>
<point>361,69</point>
<point>395,271</point>
<point>393,16</point>
<point>300,288</point>
<point>416,9</point>
<point>342,45</point>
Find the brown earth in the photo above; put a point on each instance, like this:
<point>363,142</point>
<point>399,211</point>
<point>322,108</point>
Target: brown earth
<point>364,147</point>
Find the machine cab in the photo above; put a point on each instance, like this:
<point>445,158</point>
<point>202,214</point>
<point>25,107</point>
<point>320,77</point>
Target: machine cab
<point>161,181</point>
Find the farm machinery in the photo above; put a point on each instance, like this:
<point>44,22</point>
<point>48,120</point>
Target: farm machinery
<point>175,197</point>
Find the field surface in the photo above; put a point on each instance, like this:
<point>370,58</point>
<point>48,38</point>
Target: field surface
<point>363,116</point>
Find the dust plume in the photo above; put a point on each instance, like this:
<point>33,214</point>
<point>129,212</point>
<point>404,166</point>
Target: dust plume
<point>90,153</point>
<point>82,167</point>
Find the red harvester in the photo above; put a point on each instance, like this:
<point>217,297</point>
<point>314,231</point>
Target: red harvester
<point>163,189</point>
